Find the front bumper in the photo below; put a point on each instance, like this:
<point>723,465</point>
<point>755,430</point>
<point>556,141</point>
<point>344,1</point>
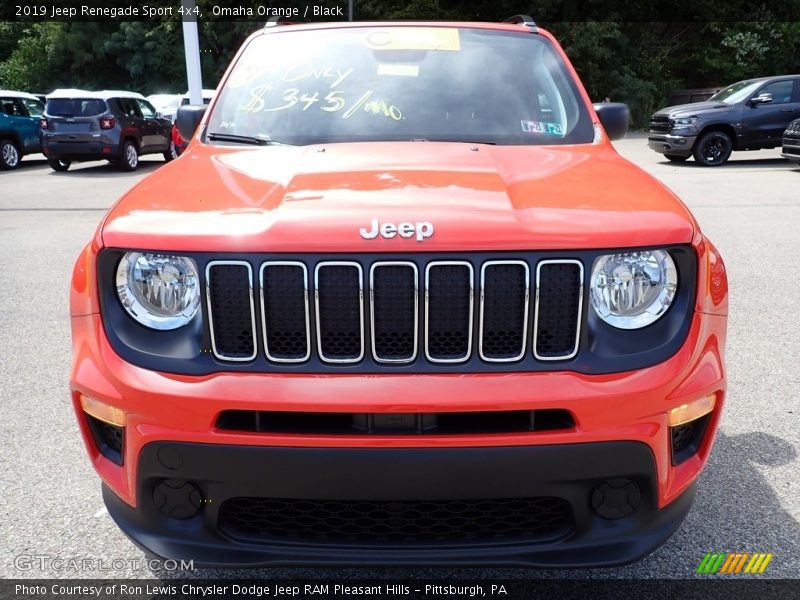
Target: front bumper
<point>97,149</point>
<point>665,143</point>
<point>620,431</point>
<point>570,472</point>
<point>791,147</point>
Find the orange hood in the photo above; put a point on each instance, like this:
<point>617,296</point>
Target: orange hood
<point>317,198</point>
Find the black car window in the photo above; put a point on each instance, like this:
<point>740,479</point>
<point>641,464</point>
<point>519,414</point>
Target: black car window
<point>781,91</point>
<point>7,105</point>
<point>129,107</point>
<point>76,107</point>
<point>146,109</point>
<point>13,107</point>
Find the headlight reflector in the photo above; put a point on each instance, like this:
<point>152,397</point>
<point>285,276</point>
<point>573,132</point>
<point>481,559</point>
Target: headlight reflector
<point>160,291</point>
<point>633,289</point>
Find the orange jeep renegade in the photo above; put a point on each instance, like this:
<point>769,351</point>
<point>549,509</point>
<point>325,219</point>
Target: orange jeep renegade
<point>400,302</point>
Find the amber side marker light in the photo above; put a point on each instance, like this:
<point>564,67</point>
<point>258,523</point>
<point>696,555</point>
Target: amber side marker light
<point>103,412</point>
<point>687,413</point>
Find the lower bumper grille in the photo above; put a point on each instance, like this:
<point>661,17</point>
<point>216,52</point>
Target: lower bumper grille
<point>791,145</point>
<point>530,519</point>
<point>444,423</point>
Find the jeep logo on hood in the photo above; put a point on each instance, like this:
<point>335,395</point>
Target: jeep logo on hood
<point>422,230</point>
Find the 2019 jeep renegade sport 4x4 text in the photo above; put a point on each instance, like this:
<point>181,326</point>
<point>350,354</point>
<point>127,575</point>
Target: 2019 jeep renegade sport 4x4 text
<point>400,302</point>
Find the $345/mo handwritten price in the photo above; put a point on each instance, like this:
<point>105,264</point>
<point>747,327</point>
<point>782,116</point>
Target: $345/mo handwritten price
<point>332,102</point>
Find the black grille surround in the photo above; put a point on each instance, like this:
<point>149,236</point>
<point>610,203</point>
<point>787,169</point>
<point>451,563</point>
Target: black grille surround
<point>529,519</point>
<point>600,347</point>
<point>660,124</point>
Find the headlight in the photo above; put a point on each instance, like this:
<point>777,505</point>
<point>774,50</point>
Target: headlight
<point>159,291</point>
<point>684,122</point>
<point>632,290</point>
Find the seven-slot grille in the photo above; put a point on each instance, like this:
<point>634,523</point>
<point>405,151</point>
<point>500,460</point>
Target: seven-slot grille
<point>395,312</point>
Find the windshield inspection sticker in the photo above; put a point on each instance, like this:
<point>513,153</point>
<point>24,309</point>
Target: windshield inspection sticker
<point>406,70</point>
<point>542,127</point>
<point>414,38</point>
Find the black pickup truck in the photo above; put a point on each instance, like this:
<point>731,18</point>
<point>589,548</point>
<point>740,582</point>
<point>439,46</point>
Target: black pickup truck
<point>748,115</point>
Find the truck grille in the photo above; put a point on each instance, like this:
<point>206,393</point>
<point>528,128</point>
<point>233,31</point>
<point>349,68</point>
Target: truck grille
<point>660,124</point>
<point>395,312</point>
<point>530,519</point>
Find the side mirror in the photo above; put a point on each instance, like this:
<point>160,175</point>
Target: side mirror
<point>615,117</point>
<point>188,118</point>
<point>159,115</point>
<point>761,99</point>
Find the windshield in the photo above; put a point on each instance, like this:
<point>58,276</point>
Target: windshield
<point>736,93</point>
<point>35,108</point>
<point>76,107</point>
<point>402,83</point>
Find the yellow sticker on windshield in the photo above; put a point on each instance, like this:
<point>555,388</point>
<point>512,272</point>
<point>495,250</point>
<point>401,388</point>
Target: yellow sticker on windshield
<point>414,38</point>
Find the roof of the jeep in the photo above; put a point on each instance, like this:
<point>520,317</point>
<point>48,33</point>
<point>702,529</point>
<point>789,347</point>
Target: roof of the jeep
<point>101,95</point>
<point>13,94</point>
<point>518,27</point>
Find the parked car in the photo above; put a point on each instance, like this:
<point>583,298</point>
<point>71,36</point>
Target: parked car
<point>19,127</point>
<point>383,312</point>
<point>165,104</point>
<point>791,142</point>
<point>111,125</point>
<point>748,115</point>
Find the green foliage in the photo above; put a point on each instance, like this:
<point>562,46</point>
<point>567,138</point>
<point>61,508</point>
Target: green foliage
<point>135,56</point>
<point>32,64</point>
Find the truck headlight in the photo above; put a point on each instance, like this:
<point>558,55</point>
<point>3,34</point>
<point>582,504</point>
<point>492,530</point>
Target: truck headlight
<point>633,289</point>
<point>160,291</point>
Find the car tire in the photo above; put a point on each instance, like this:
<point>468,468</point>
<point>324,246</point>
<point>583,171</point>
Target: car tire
<point>171,153</point>
<point>130,156</point>
<point>713,149</point>
<point>58,165</point>
<point>9,155</point>
<point>676,158</point>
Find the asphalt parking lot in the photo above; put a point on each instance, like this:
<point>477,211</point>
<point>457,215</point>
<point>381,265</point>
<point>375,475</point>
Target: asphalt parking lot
<point>748,497</point>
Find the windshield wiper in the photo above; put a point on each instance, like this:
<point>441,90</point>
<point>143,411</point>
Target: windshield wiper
<point>257,140</point>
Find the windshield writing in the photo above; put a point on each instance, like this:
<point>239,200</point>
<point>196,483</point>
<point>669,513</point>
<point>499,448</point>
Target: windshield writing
<point>402,83</point>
